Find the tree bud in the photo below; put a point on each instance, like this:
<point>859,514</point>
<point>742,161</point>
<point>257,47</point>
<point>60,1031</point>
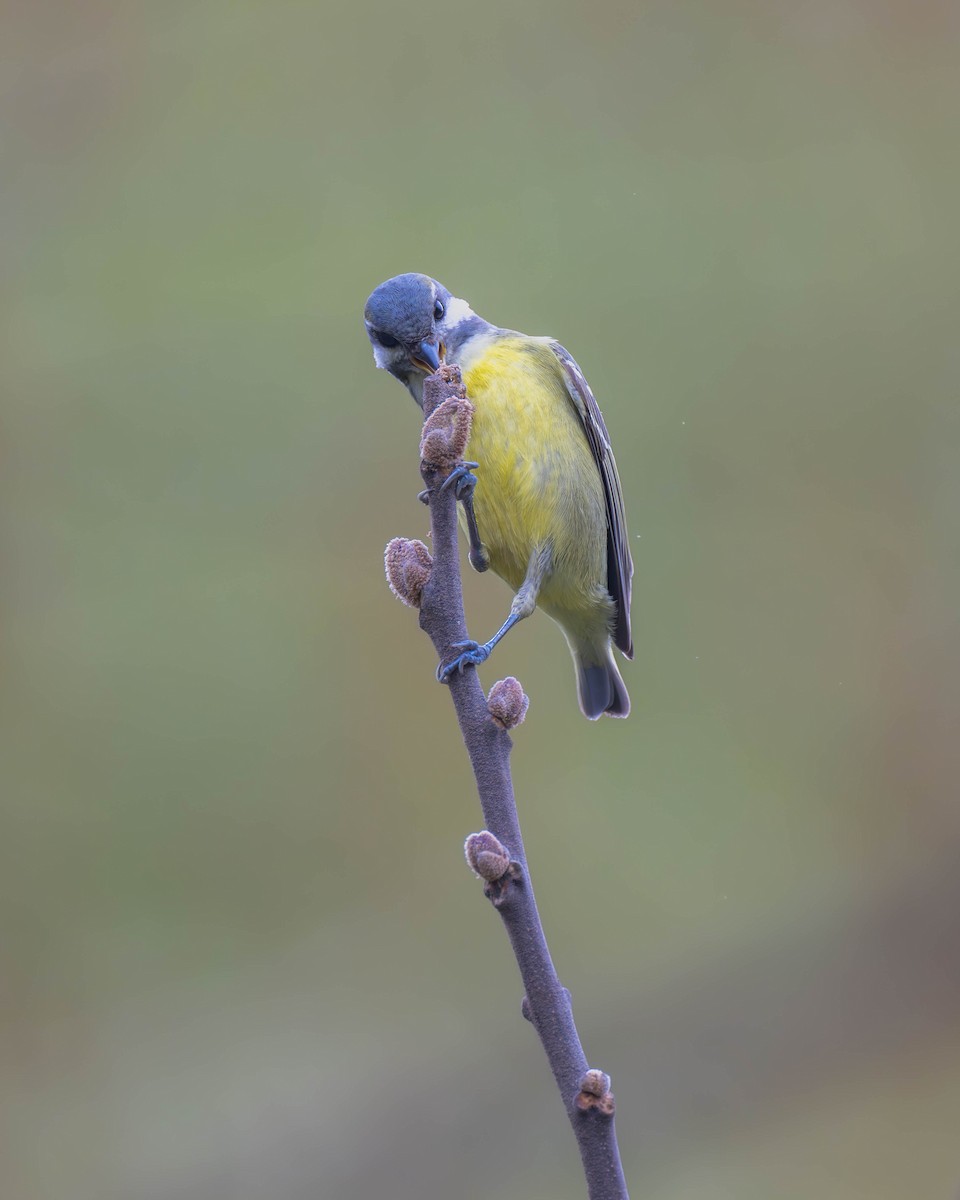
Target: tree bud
<point>486,856</point>
<point>445,434</point>
<point>408,564</point>
<point>507,703</point>
<point>595,1093</point>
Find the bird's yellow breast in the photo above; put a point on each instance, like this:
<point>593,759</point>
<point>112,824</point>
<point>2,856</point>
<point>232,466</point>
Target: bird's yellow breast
<point>538,483</point>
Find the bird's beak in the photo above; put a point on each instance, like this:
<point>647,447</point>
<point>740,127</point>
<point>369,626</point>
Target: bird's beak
<point>427,356</point>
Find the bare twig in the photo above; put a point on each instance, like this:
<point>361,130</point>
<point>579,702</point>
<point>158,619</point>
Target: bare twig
<point>497,853</point>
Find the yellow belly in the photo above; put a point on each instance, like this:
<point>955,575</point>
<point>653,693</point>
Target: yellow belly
<point>538,484</point>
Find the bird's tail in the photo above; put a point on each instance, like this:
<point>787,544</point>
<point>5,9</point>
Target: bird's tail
<point>599,686</point>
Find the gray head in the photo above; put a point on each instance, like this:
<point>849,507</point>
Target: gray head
<point>411,322</point>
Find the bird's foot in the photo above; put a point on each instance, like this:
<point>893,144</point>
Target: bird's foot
<point>472,654</point>
<point>464,483</point>
<point>462,479</point>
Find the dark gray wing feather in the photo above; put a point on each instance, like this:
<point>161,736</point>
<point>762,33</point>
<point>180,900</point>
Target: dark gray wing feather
<point>619,561</point>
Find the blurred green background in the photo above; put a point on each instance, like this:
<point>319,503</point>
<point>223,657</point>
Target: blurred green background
<point>242,956</point>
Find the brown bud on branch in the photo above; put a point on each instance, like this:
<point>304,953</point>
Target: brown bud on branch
<point>408,564</point>
<point>507,703</point>
<point>445,433</point>
<point>486,856</point>
<point>595,1093</point>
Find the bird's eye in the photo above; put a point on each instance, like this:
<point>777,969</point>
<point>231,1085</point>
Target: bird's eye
<point>386,341</point>
<point>438,310</point>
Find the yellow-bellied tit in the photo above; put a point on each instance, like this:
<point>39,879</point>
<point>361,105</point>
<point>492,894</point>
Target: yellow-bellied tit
<point>546,509</point>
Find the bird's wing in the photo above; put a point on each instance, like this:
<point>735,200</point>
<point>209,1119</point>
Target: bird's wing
<point>619,562</point>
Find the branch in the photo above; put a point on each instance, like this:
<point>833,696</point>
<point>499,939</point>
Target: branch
<point>497,854</point>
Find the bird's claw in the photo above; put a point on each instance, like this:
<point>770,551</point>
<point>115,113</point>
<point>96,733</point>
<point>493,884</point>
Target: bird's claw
<point>462,478</point>
<point>472,654</point>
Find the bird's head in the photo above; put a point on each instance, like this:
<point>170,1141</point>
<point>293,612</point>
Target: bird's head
<point>408,319</point>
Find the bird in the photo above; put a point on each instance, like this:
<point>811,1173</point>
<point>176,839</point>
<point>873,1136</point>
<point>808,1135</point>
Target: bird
<point>545,511</point>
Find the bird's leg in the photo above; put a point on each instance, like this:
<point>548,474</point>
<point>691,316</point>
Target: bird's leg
<point>464,481</point>
<point>466,484</point>
<point>524,602</point>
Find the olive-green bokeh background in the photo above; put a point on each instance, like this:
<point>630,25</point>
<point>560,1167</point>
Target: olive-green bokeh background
<point>242,957</point>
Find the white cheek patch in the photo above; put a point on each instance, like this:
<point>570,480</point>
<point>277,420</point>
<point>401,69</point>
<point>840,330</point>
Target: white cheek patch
<point>457,312</point>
